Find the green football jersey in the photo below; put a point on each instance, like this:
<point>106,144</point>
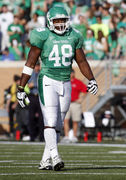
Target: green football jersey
<point>57,52</point>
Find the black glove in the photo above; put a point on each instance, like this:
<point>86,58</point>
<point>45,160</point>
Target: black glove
<point>92,86</point>
<point>22,97</point>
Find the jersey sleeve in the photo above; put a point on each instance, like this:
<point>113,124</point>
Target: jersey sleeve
<point>37,38</point>
<point>80,41</point>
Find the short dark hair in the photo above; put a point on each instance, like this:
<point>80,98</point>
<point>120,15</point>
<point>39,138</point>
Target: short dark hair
<point>4,5</point>
<point>99,16</point>
<point>16,77</point>
<point>16,16</point>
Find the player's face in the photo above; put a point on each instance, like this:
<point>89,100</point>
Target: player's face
<point>60,23</point>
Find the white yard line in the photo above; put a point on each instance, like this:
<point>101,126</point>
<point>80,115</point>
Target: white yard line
<point>95,161</point>
<point>79,156</point>
<point>61,173</point>
<point>72,144</point>
<point>117,152</point>
<point>4,161</point>
<point>73,165</point>
<point>65,165</point>
<point>66,153</point>
<point>24,153</point>
<point>76,161</point>
<point>67,161</point>
<point>62,153</point>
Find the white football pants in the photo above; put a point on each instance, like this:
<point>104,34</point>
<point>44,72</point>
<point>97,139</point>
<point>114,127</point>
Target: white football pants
<point>56,101</point>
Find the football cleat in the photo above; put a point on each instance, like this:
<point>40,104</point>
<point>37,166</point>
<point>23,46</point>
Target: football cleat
<point>65,139</point>
<point>58,164</point>
<point>45,165</point>
<point>74,139</point>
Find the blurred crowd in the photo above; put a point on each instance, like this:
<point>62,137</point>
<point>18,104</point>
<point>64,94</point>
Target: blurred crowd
<point>101,22</point>
<point>24,123</point>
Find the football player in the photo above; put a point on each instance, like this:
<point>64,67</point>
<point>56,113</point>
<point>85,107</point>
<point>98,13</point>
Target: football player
<point>57,45</point>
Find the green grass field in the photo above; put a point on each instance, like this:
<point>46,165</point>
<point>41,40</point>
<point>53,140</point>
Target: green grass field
<point>82,161</point>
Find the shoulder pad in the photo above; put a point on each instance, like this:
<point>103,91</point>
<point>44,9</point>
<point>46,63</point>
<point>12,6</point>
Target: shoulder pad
<point>38,36</point>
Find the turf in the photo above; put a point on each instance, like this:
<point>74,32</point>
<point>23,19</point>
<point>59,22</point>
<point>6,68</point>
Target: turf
<point>88,162</point>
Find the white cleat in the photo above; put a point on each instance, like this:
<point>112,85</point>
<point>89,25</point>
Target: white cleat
<point>58,164</point>
<point>74,140</point>
<point>45,165</point>
<point>65,139</point>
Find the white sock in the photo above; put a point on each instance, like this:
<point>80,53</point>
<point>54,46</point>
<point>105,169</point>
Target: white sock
<point>46,154</point>
<point>51,141</point>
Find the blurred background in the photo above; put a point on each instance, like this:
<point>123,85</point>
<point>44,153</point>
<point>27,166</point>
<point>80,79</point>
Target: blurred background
<point>103,26</point>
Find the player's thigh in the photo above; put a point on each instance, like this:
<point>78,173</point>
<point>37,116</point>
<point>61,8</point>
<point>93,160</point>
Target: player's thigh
<point>64,101</point>
<point>47,92</point>
<point>49,102</point>
<point>62,115</point>
<point>76,112</point>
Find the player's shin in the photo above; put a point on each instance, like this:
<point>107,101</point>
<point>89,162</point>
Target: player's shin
<point>51,141</point>
<point>46,154</point>
<point>45,163</point>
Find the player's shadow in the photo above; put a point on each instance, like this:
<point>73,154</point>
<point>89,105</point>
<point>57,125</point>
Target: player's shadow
<point>91,168</point>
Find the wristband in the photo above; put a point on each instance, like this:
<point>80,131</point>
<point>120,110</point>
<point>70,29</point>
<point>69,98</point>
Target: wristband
<point>27,70</point>
<point>92,79</point>
<point>21,87</point>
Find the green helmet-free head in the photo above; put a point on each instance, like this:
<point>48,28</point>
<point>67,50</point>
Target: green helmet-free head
<point>58,20</point>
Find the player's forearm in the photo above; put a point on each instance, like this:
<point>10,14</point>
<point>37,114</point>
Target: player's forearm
<point>83,64</point>
<point>29,66</point>
<point>24,79</point>
<point>86,70</point>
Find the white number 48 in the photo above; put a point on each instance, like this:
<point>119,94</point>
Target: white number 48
<point>54,55</point>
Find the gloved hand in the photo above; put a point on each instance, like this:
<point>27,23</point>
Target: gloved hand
<point>92,86</point>
<point>22,97</point>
